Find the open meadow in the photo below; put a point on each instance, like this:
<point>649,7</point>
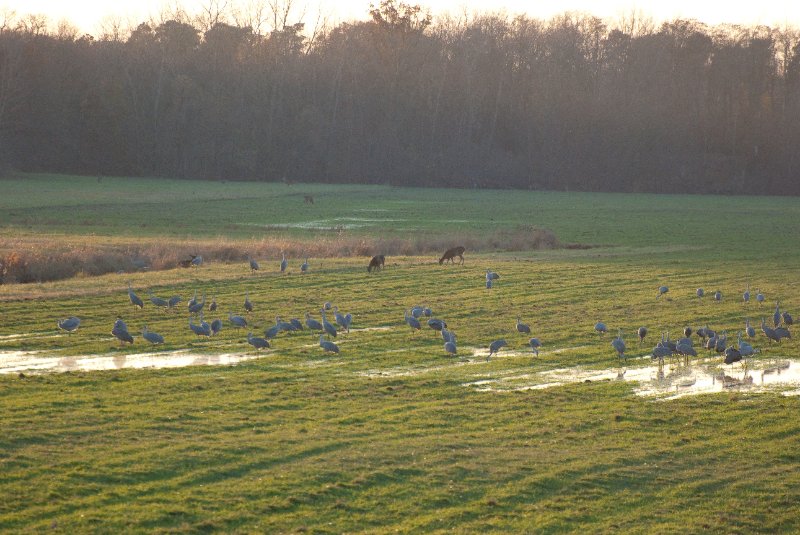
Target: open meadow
<point>392,433</point>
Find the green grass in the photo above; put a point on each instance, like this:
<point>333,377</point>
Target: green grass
<point>386,436</point>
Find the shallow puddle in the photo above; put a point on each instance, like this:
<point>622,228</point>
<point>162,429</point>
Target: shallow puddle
<point>667,382</point>
<point>38,361</point>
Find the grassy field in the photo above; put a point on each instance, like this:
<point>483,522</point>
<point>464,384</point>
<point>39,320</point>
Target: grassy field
<point>392,435</point>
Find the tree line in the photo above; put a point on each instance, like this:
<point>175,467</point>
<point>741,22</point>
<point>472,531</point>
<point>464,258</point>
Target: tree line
<point>491,100</point>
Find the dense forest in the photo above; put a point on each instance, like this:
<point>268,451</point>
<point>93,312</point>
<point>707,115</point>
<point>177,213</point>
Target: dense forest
<point>404,98</point>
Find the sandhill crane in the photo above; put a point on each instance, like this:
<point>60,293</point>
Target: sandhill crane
<point>284,263</point>
<point>204,325</point>
<point>787,318</point>
<point>494,347</point>
<point>216,326</point>
<point>199,330</point>
<point>120,332</point>
<point>328,305</point>
<point>782,332</point>
<point>135,300</point>
<point>248,306</point>
<point>197,260</point>
<point>700,292</point>
<point>450,347</point>
<point>661,291</point>
<point>304,266</point>
<point>535,345</point>
<point>722,341</point>
<point>491,275</point>
<point>751,332</point>
<point>153,338</point>
<point>660,352</point>
<point>197,306</point>
<point>348,319</point>
<point>173,301</point>
<point>253,265</point>
<point>600,327</point>
<point>769,332</point>
<point>744,348</point>
<point>687,332</point>
<point>330,329</point>
<point>338,317</point>
<point>313,324</point>
<point>272,332</point>
<point>213,306</point>
<point>718,296</point>
<point>328,346</point>
<point>732,355</point>
<point>192,301</point>
<point>157,301</point>
<point>488,284</point>
<point>70,324</point>
<point>427,312</point>
<point>283,325</point>
<point>298,326</point>
<point>684,347</point>
<point>436,324</point>
<point>257,342</point>
<point>237,321</point>
<point>760,297</point>
<point>642,332</point>
<point>411,321</point>
<point>776,317</point>
<point>619,344</point>
<point>416,311</point>
<point>522,327</point>
<point>746,294</point>
<point>446,335</point>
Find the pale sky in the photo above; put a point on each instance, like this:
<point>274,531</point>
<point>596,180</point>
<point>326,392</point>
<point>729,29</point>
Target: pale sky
<point>89,15</point>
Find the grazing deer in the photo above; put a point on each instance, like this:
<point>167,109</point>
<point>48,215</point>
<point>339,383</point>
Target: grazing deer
<point>308,199</point>
<point>376,263</point>
<point>450,255</point>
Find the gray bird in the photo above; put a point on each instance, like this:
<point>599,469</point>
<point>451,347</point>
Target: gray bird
<point>199,330</point>
<point>119,325</point>
<point>304,266</point>
<point>417,311</point>
<point>600,327</point>
<point>248,306</point>
<point>447,336</point>
<point>338,317</point>
<point>70,324</point>
<point>213,306</point>
<point>197,260</point>
<point>191,302</point>
<point>687,331</point>
<point>746,294</point>
<point>120,332</point>
<point>329,328</point>
<point>776,317</point>
<point>491,275</point>
<point>135,300</point>
<point>216,326</point>
<point>173,301</point>
<point>619,344</point>
<point>427,312</point>
<point>450,347</point>
<point>157,301</point>
<point>751,332</point>
<point>769,332</point>
<point>760,297</point>
<point>411,321</point>
<point>237,321</point>
<point>717,296</point>
<point>522,327</point>
<point>328,305</point>
<point>205,326</point>
<point>660,352</point>
<point>732,355</point>
<point>272,332</point>
<point>283,325</point>
<point>700,292</point>
<point>253,265</point>
<point>348,319</point>
<point>313,324</point>
<point>284,263</point>
<point>782,332</point>
<point>489,284</point>
<point>257,342</point>
<point>494,347</point>
<point>535,345</point>
<point>787,318</point>
<point>328,346</point>
<point>296,324</point>
<point>197,306</point>
<point>744,348</point>
<point>153,338</point>
<point>642,332</point>
<point>661,291</point>
<point>437,324</point>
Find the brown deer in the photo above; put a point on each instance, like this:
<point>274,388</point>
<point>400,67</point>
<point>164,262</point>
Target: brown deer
<point>450,255</point>
<point>376,263</point>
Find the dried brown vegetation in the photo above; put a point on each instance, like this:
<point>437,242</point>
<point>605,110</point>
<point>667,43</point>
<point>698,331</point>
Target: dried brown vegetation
<point>39,259</point>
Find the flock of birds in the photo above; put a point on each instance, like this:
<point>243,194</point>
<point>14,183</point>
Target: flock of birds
<point>710,339</point>
<point>683,347</point>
